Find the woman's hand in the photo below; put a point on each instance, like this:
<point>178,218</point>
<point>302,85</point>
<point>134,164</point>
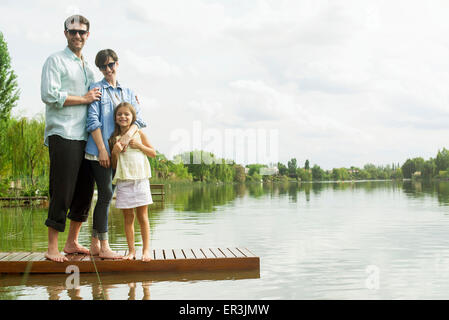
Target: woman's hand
<point>118,147</point>
<point>124,140</point>
<point>103,158</point>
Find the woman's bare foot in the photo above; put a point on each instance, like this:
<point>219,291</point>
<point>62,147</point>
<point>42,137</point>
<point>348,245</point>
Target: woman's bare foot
<point>95,247</point>
<point>146,256</point>
<point>75,247</point>
<point>55,256</point>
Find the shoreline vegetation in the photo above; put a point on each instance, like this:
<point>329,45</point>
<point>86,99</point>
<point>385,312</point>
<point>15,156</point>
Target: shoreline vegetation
<point>24,166</point>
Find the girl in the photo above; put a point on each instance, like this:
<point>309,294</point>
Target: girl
<point>132,177</point>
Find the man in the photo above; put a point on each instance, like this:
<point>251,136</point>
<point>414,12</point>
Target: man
<point>65,80</point>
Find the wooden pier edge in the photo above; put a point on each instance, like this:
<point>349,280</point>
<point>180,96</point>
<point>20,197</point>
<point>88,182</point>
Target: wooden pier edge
<point>18,263</point>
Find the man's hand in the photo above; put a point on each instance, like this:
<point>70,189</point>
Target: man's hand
<point>92,95</point>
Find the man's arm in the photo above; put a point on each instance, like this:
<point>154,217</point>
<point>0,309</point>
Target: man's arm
<point>89,97</point>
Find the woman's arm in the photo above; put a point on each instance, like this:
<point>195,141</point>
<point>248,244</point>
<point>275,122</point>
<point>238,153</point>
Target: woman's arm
<point>103,155</point>
<point>125,139</point>
<point>115,154</point>
<point>145,146</point>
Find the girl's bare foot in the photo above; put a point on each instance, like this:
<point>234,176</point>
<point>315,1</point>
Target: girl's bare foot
<point>130,256</point>
<point>55,256</point>
<point>146,256</point>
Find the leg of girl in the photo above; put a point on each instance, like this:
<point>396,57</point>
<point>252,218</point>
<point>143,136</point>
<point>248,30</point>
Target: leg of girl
<point>142,216</point>
<point>128,215</point>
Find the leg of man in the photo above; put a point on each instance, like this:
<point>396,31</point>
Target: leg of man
<point>80,207</point>
<point>65,160</point>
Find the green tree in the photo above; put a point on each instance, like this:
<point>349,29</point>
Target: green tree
<point>9,92</point>
<point>239,175</point>
<point>283,171</point>
<point>28,156</point>
<point>306,165</point>
<point>442,160</point>
<point>317,173</point>
<point>292,166</point>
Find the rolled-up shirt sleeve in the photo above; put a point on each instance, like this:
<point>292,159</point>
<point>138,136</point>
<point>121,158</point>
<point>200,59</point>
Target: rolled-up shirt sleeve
<point>140,123</point>
<point>51,93</point>
<point>93,115</point>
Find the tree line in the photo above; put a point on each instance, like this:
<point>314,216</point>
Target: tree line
<point>24,164</point>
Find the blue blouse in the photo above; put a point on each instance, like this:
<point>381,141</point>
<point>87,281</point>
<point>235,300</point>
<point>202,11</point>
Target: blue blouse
<point>101,113</point>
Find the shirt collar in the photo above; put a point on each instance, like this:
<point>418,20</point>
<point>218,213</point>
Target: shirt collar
<point>107,85</point>
<point>72,55</point>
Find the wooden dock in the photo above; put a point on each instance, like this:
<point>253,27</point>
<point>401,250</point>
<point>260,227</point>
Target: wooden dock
<point>163,260</point>
<point>157,193</point>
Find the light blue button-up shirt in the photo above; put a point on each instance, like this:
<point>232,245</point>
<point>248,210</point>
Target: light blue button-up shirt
<point>101,113</point>
<point>65,74</point>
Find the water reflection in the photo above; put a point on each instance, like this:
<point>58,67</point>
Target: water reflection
<point>106,286</point>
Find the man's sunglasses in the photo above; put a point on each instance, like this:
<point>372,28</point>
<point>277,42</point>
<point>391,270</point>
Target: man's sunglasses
<point>73,32</point>
<point>110,65</point>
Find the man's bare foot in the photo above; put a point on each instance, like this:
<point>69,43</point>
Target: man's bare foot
<point>56,256</point>
<point>130,256</point>
<point>109,254</point>
<point>146,256</point>
<point>75,248</point>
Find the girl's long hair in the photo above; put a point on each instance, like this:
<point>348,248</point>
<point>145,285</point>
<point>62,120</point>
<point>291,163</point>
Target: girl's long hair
<point>117,131</point>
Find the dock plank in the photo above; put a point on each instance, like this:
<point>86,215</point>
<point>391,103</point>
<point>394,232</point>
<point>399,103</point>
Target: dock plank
<point>169,254</point>
<point>179,254</point>
<point>159,254</point>
<point>217,253</point>
<point>188,254</point>
<point>166,260</point>
<point>198,253</point>
<point>207,253</point>
<point>236,253</point>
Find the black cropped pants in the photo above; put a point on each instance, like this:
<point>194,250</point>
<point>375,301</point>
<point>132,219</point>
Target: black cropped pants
<point>71,182</point>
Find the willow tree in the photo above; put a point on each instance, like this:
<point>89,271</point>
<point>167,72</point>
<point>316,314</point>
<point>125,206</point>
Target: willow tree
<point>9,92</point>
<point>27,153</point>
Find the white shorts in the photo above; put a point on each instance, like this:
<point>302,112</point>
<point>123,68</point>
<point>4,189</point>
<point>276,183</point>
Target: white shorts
<point>133,194</point>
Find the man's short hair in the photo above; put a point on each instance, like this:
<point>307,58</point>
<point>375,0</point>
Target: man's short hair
<point>76,18</point>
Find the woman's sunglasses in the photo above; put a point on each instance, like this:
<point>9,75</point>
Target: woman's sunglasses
<point>110,65</point>
<point>73,32</point>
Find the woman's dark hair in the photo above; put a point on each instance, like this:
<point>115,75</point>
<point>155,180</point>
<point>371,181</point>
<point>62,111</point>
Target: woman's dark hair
<point>76,18</point>
<point>103,55</point>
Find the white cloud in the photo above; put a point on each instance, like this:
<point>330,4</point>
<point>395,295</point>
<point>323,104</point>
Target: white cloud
<point>152,66</point>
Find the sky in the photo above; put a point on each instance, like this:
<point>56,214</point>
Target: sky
<point>338,83</point>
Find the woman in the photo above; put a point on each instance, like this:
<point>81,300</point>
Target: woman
<point>100,125</point>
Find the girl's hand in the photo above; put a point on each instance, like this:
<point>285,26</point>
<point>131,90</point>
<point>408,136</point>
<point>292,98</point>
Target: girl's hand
<point>134,144</point>
<point>103,158</point>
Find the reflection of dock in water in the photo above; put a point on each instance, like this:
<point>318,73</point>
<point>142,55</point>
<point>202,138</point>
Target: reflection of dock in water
<point>172,261</point>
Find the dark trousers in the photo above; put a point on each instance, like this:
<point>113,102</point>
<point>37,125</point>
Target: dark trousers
<point>103,178</point>
<point>71,182</point>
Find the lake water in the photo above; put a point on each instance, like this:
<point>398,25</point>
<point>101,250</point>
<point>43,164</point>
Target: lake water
<point>359,240</point>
